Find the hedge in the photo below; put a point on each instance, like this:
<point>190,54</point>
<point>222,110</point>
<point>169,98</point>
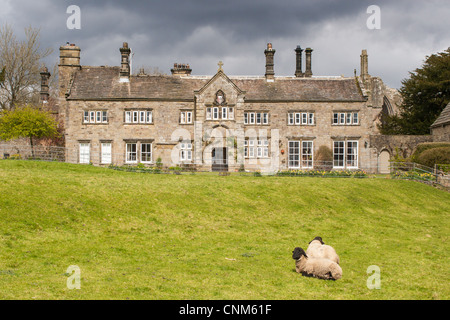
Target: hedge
<point>434,156</point>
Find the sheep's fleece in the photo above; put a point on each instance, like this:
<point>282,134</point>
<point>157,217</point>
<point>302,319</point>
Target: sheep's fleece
<point>315,267</point>
<point>317,249</point>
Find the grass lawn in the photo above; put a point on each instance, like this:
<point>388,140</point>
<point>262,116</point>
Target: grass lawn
<point>150,236</point>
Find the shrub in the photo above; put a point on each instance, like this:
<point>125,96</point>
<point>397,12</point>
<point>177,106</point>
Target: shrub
<point>324,153</point>
<point>159,163</point>
<point>323,159</point>
<point>15,157</point>
<point>323,173</point>
<point>399,156</point>
<point>426,146</point>
<point>434,156</point>
<point>140,166</point>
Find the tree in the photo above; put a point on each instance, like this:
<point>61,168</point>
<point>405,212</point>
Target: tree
<point>2,76</point>
<point>22,61</point>
<point>27,122</point>
<point>425,94</point>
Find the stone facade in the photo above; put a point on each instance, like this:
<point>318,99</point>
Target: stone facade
<point>266,123</point>
<point>440,129</point>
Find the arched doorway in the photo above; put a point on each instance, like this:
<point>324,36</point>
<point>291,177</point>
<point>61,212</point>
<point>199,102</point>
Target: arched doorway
<point>218,149</point>
<point>219,159</point>
<point>383,162</point>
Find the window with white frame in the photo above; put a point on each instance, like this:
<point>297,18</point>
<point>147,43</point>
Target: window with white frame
<point>215,111</point>
<point>355,118</point>
<point>138,152</point>
<point>352,154</point>
<point>301,118</point>
<point>146,152</point>
<point>311,118</point>
<point>220,113</point>
<point>224,113</point>
<point>256,118</point>
<point>338,154</point>
<point>98,116</point>
<point>256,148</point>
<point>307,154</point>
<point>106,154</point>
<point>291,118</point>
<point>294,154</point>
<point>139,116</point>
<point>345,118</point>
<point>85,152</point>
<point>297,118</point>
<point>186,117</point>
<point>128,116</point>
<point>142,117</point>
<point>148,116</point>
<point>345,154</point>
<point>300,154</point>
<point>262,150</point>
<point>230,113</point>
<point>131,153</point>
<point>251,148</point>
<point>185,151</point>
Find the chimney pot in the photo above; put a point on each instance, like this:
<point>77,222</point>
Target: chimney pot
<point>125,63</point>
<point>45,75</point>
<point>181,69</point>
<point>269,53</point>
<point>298,62</point>
<point>308,71</point>
<point>364,65</point>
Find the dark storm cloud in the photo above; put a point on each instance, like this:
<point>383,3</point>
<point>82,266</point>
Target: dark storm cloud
<point>203,32</point>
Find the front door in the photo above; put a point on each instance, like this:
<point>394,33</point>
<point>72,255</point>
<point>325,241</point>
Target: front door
<point>85,156</point>
<point>219,159</point>
<point>383,162</point>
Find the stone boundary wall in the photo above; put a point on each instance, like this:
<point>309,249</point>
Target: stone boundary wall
<point>403,144</point>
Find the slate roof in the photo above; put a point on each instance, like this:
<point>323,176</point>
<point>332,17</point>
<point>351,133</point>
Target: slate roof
<point>102,83</point>
<point>444,117</point>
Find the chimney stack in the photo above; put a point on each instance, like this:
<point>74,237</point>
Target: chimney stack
<point>308,71</point>
<point>181,69</point>
<point>269,52</point>
<point>125,63</point>
<point>45,75</point>
<point>69,55</point>
<point>69,62</point>
<point>364,66</point>
<point>298,62</point>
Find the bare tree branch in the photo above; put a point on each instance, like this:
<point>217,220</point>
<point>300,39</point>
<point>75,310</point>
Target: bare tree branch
<point>22,61</point>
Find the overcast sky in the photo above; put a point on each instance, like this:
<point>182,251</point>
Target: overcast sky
<point>202,32</point>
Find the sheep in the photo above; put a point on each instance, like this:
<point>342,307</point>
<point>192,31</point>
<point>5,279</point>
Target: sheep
<point>315,267</point>
<point>318,249</point>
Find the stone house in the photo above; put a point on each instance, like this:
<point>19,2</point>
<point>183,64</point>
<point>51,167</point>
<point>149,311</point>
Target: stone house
<point>220,122</point>
<point>440,129</point>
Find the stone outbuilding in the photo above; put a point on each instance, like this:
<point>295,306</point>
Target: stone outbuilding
<point>440,129</point>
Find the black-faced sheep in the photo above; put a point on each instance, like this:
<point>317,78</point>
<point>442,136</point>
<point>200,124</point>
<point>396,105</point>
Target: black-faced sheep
<point>315,267</point>
<point>318,249</point>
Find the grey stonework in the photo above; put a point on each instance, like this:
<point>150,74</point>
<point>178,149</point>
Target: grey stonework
<point>86,88</point>
<point>440,129</point>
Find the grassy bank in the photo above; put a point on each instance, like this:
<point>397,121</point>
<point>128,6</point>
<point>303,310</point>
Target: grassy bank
<point>150,236</point>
